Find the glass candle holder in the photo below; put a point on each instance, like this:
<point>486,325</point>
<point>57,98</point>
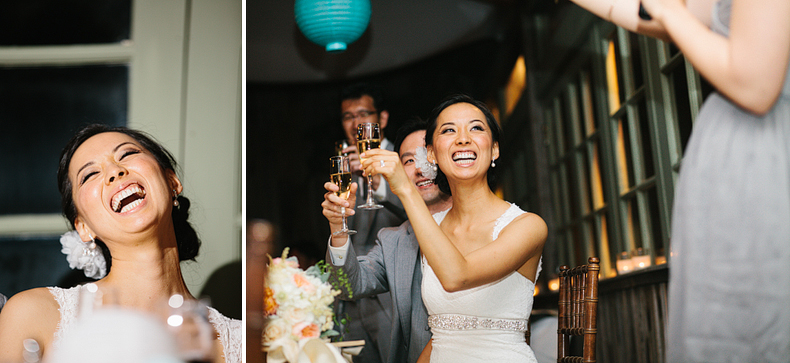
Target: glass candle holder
<point>641,259</point>
<point>624,263</point>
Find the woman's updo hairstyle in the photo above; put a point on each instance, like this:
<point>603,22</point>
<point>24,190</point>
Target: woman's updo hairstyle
<point>496,131</point>
<point>186,237</point>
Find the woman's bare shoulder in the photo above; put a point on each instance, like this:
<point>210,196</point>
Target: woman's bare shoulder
<point>34,301</point>
<point>529,219</point>
<point>28,314</point>
<point>38,303</point>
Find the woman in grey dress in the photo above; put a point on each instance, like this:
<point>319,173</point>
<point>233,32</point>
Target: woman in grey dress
<point>731,219</point>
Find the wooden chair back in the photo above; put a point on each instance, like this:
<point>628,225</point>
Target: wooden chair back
<point>578,310</point>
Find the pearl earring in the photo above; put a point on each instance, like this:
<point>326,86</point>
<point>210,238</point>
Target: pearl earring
<point>91,246</point>
<point>175,198</point>
<point>493,164</point>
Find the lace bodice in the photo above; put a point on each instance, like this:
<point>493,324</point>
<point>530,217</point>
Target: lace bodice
<point>229,330</point>
<point>485,323</point>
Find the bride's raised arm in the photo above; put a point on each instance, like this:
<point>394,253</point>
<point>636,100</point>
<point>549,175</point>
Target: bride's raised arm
<point>518,246</point>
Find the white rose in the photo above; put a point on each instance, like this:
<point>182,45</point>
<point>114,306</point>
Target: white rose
<point>295,315</point>
<point>275,329</point>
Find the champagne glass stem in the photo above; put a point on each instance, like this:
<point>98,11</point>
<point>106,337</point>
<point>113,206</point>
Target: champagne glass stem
<point>343,212</point>
<point>370,191</point>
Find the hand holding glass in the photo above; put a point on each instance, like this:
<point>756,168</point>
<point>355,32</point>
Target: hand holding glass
<point>368,137</point>
<point>340,172</point>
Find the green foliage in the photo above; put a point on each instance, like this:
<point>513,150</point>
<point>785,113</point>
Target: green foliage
<point>341,282</point>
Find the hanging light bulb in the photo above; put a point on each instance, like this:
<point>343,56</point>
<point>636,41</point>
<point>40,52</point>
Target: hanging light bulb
<point>332,24</point>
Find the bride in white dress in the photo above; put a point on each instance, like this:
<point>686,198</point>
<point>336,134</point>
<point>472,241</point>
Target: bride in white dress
<point>119,191</point>
<point>481,258</point>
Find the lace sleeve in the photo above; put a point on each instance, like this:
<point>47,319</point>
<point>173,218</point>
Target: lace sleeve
<point>67,305</point>
<point>229,331</point>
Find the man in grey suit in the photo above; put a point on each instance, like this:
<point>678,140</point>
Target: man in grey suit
<point>368,317</point>
<point>393,264</point>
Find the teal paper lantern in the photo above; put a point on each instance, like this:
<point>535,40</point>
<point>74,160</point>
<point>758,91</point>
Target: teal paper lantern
<point>332,24</point>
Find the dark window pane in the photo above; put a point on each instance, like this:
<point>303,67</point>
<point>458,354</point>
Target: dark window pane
<point>567,123</point>
<point>31,262</point>
<point>587,203</point>
<point>573,186</point>
<point>564,193</point>
<point>634,231</point>
<point>636,59</point>
<point>628,159</point>
<point>40,109</point>
<point>682,105</point>
<point>592,239</point>
<point>655,221</point>
<point>58,22</point>
<point>578,245</point>
<point>647,145</point>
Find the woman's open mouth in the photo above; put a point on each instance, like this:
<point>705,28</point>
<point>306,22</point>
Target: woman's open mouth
<point>464,158</point>
<point>128,198</point>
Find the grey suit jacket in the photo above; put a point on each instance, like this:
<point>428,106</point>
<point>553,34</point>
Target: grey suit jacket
<point>371,314</point>
<point>393,265</point>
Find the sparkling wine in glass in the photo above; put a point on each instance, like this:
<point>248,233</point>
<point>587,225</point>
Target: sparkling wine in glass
<point>368,137</point>
<point>340,172</point>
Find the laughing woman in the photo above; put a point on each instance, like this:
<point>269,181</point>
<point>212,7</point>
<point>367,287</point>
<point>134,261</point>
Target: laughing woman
<point>120,192</point>
<point>481,257</point>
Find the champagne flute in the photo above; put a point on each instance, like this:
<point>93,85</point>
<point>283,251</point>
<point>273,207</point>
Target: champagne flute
<point>368,137</point>
<point>340,172</point>
<point>188,322</point>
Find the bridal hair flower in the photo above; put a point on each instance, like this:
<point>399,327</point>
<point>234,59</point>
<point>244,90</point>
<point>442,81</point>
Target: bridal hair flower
<point>86,256</point>
<point>428,169</point>
<point>298,307</point>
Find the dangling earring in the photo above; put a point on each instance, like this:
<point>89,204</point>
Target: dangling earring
<point>175,198</point>
<point>90,248</point>
<point>434,166</point>
<point>493,164</point>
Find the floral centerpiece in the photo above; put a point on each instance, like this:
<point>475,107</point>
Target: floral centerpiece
<point>298,308</point>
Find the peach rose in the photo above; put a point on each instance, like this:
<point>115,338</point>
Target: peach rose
<point>306,330</point>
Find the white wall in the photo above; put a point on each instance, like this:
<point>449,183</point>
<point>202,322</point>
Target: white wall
<point>185,89</point>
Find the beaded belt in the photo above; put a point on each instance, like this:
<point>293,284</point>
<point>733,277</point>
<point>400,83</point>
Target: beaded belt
<point>466,322</point>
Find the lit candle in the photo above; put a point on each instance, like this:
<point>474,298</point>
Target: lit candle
<point>641,262</point>
<point>624,263</point>
<point>554,284</point>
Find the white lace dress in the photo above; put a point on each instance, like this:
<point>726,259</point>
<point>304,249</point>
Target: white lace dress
<point>229,330</point>
<point>482,324</point>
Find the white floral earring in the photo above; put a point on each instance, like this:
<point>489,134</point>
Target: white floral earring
<point>428,169</point>
<point>86,256</point>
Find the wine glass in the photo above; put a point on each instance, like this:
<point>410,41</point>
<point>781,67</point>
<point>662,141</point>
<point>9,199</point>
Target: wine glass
<point>340,172</point>
<point>188,322</point>
<point>368,137</point>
